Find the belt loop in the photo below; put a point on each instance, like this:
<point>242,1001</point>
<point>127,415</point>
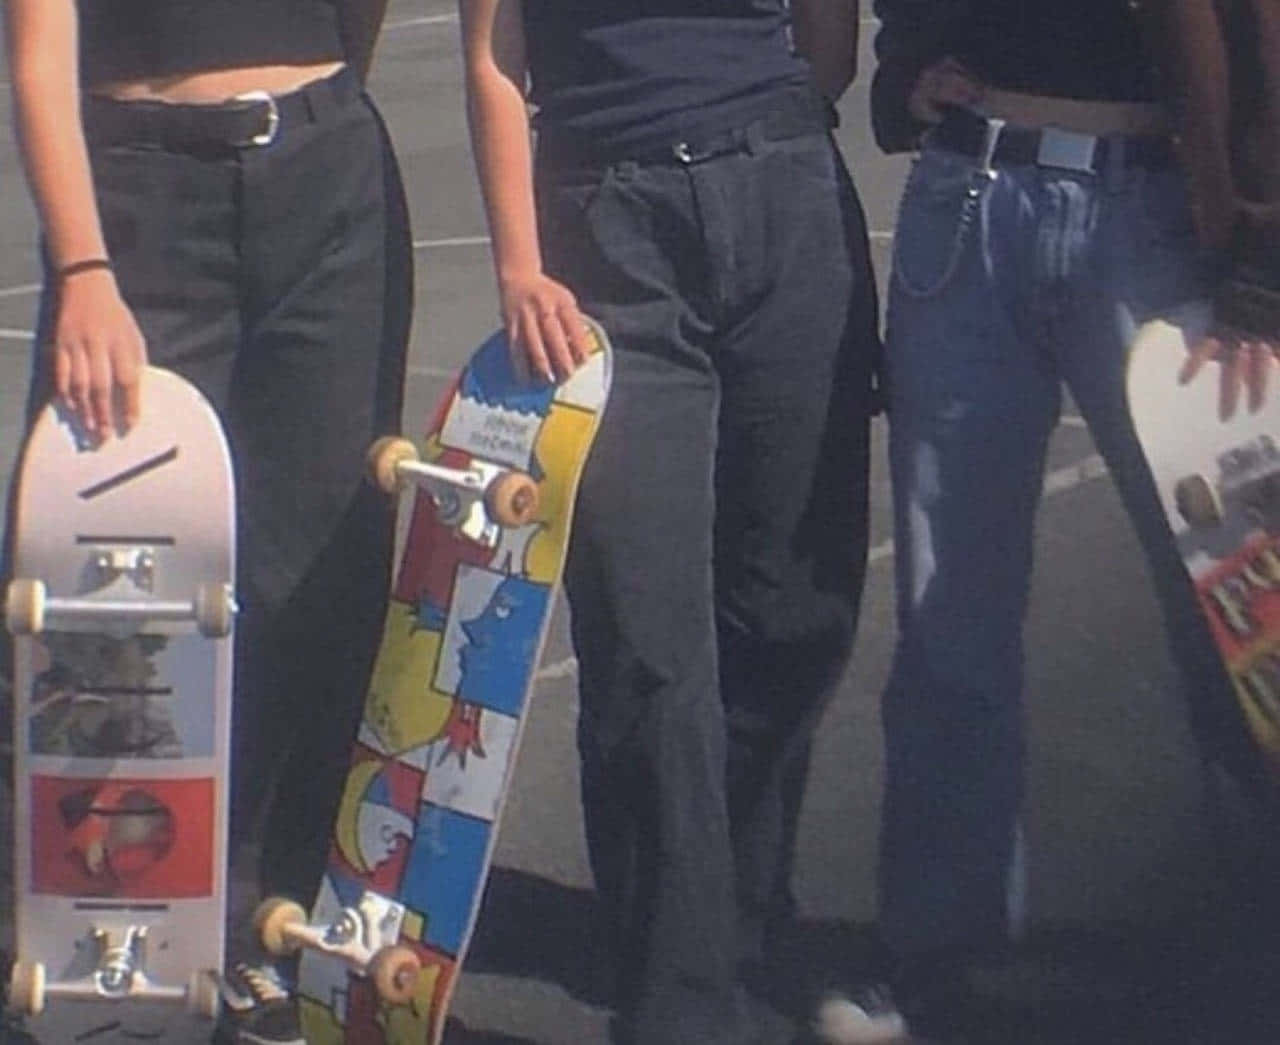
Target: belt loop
<point>319,98</point>
<point>994,127</point>
<point>754,138</point>
<point>1118,161</point>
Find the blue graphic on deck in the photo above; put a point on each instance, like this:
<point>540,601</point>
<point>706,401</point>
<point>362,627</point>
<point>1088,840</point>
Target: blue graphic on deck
<point>502,646</point>
<point>491,380</point>
<point>447,861</point>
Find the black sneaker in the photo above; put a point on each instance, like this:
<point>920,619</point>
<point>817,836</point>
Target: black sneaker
<point>257,1009</point>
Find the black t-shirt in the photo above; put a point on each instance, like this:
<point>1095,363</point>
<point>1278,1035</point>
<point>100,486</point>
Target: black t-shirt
<point>637,72</point>
<point>142,39</point>
<point>1085,49</point>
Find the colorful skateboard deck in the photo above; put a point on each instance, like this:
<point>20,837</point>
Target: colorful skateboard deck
<point>121,607</point>
<point>468,616</point>
<point>1219,481</point>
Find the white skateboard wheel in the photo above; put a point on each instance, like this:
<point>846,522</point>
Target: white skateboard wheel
<point>394,971</point>
<point>24,606</point>
<point>384,459</point>
<point>26,988</point>
<point>272,921</point>
<point>512,499</point>
<point>215,609</point>
<point>204,999</point>
<point>1198,502</point>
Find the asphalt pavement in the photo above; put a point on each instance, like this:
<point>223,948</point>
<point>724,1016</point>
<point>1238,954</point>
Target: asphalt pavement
<point>1137,929</point>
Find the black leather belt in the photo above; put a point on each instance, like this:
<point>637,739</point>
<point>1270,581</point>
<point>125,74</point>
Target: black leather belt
<point>795,114</point>
<point>248,121</point>
<point>967,133</point>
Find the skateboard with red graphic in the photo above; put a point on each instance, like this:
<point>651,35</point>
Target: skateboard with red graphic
<point>494,482</point>
<point>121,607</point>
<point>1219,482</point>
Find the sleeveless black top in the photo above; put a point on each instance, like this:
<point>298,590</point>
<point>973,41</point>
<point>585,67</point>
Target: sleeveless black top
<point>142,39</point>
<point>630,72</point>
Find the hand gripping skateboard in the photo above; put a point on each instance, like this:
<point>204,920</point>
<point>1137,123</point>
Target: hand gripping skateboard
<point>468,615</point>
<point>121,608</point>
<point>1219,482</point>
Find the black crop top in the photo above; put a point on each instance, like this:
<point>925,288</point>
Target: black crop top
<point>625,72</point>
<point>142,39</point>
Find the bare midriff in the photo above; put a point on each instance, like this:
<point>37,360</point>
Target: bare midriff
<point>217,85</point>
<point>1084,117</point>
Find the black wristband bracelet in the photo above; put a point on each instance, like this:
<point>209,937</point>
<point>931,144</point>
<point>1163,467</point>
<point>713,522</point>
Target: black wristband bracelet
<point>76,267</point>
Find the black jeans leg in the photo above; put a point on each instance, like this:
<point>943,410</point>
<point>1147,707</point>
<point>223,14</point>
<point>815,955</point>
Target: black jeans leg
<point>718,543</point>
<point>278,282</point>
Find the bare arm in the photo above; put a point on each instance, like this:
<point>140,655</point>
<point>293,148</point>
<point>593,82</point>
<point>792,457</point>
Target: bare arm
<point>97,348</point>
<point>826,33</point>
<point>360,21</point>
<point>1199,69</point>
<point>541,315</point>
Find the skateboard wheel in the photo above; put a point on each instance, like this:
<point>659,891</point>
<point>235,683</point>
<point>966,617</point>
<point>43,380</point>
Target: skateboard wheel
<point>214,610</point>
<point>512,499</point>
<point>384,458</point>
<point>26,988</point>
<point>1198,502</point>
<point>204,998</point>
<point>24,606</point>
<point>272,921</point>
<point>394,971</point>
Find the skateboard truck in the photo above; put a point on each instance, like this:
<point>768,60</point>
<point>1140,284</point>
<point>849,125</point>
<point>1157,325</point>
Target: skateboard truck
<point>477,500</point>
<point>1249,477</point>
<point>119,972</point>
<point>30,609</point>
<point>363,936</point>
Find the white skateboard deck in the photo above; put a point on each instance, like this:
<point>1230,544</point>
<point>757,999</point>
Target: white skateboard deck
<point>121,606</point>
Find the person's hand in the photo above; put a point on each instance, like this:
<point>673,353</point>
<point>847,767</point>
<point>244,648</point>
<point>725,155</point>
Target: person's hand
<point>548,335</point>
<point>941,85</point>
<point>1245,363</point>
<point>97,353</point>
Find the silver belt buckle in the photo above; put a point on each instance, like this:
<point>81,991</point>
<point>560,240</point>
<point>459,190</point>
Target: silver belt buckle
<point>272,126</point>
<point>1067,150</point>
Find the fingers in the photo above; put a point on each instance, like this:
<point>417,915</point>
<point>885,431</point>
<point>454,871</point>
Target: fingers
<point>1204,350</point>
<point>100,380</point>
<point>1234,366</point>
<point>1258,362</point>
<point>549,339</point>
<point>945,83</point>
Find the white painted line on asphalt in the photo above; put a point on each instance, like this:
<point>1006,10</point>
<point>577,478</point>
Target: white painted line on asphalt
<point>1073,421</point>
<point>561,669</point>
<point>408,23</point>
<point>18,291</point>
<point>451,241</point>
<point>880,235</point>
<point>1058,481</point>
<point>10,334</point>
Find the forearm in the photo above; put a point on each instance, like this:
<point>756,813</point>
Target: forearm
<point>500,137</point>
<point>360,22</point>
<point>1199,62</point>
<point>43,60</point>
<point>826,33</point>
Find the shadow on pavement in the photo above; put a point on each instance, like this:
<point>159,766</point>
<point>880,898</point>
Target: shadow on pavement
<point>457,1033</point>
<point>1210,980</point>
<point>537,929</point>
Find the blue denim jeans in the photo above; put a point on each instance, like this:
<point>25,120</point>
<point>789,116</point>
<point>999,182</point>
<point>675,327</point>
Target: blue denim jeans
<point>1005,287</point>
